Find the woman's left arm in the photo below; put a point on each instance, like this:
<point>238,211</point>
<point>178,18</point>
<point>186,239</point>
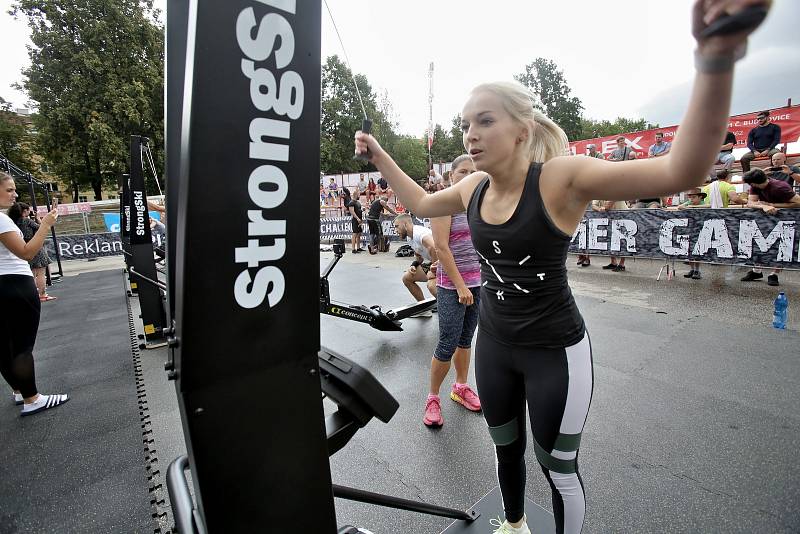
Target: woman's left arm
<point>701,133</point>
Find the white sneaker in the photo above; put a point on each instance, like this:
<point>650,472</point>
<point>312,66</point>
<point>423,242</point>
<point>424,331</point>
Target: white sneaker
<point>426,313</point>
<point>505,528</point>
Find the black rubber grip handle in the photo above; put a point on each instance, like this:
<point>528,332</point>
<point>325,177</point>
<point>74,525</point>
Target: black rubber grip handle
<point>747,18</point>
<point>366,127</point>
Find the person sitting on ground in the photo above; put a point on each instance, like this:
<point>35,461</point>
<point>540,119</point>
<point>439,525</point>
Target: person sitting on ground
<point>721,193</point>
<point>421,241</point>
<point>660,147</point>
<point>617,263</point>
<point>371,190</point>
<point>593,153</point>
<point>354,207</point>
<point>458,286</point>
<point>434,181</point>
<point>374,222</point>
<point>783,172</point>
<point>725,155</point>
<point>768,194</point>
<point>761,140</point>
<point>29,224</point>
<point>21,307</point>
<point>623,152</point>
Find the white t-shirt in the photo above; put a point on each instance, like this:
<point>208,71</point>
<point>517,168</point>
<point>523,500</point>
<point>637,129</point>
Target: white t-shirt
<point>9,262</point>
<point>435,179</point>
<point>416,241</point>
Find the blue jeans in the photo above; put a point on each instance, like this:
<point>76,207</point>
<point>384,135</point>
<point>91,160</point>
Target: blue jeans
<point>457,322</point>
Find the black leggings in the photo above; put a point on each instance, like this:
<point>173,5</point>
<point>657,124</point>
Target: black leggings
<point>19,300</point>
<point>557,384</point>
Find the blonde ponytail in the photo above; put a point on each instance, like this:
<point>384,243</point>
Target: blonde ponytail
<point>546,140</point>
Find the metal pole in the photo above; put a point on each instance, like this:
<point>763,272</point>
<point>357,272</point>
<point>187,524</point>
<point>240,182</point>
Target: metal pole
<point>354,494</point>
<point>53,234</point>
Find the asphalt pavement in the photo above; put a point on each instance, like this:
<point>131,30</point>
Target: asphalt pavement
<point>693,425</point>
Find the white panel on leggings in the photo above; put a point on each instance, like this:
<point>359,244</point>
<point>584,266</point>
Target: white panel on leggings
<point>574,502</point>
<point>579,392</point>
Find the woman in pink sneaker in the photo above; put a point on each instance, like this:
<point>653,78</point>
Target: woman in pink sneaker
<point>533,349</point>
<point>19,296</point>
<point>458,279</point>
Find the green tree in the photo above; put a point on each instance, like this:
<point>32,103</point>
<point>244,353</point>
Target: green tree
<point>97,75</point>
<point>411,155</point>
<point>591,129</point>
<point>16,143</point>
<point>341,117</point>
<point>447,145</point>
<point>548,84</point>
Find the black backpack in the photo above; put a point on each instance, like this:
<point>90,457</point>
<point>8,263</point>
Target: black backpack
<point>404,251</point>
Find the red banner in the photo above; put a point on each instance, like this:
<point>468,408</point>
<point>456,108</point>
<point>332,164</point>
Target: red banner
<point>788,118</point>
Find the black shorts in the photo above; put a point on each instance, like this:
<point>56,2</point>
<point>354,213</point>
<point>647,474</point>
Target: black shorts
<point>355,226</point>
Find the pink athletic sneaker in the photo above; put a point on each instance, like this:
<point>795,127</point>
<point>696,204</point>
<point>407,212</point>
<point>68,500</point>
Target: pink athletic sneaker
<point>433,412</point>
<point>463,394</point>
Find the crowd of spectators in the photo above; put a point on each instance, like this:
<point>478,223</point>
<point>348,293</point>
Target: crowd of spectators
<point>770,189</point>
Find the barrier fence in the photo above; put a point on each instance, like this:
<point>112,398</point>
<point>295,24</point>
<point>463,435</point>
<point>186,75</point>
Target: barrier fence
<point>728,236</point>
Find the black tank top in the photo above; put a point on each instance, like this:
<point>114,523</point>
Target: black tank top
<point>525,297</point>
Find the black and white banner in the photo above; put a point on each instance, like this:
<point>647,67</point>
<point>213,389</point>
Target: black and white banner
<point>743,236</point>
<point>331,228</point>
<point>85,246</point>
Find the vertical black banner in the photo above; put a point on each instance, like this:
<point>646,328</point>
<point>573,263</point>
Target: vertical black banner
<point>247,266</point>
<point>138,218</point>
<point>141,247</point>
<point>124,215</point>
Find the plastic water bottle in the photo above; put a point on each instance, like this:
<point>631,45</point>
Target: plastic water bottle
<point>779,316</point>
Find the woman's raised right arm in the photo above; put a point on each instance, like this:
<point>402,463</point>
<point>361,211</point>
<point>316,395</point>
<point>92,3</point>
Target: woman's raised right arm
<point>445,202</point>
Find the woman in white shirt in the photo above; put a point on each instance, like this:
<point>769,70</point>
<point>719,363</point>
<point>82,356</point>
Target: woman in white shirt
<point>18,293</point>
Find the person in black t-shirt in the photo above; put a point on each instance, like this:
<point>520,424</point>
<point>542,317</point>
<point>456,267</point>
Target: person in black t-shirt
<point>761,140</point>
<point>725,155</point>
<point>374,222</point>
<point>523,206</point>
<point>783,172</point>
<point>354,207</point>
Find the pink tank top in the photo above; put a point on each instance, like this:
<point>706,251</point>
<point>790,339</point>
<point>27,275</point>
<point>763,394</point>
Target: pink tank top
<point>467,261</point>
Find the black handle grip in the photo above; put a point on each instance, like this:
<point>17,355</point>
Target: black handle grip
<point>747,18</point>
<point>366,127</point>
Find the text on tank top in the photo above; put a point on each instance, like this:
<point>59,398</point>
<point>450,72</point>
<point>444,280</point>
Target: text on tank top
<point>525,297</point>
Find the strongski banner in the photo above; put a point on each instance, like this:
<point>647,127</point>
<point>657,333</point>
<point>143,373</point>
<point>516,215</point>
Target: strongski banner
<point>85,246</point>
<point>745,236</point>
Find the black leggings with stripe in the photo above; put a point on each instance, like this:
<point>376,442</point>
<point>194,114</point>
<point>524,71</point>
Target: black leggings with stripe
<point>19,300</point>
<point>557,384</point>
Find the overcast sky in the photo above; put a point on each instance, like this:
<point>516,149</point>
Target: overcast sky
<point>628,58</point>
